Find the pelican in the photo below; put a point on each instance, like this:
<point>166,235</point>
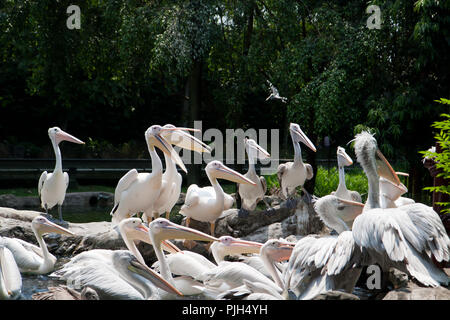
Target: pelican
<point>274,94</point>
<point>32,259</point>
<point>114,274</point>
<point>10,278</point>
<point>294,174</point>
<point>52,186</point>
<point>203,206</point>
<point>171,179</point>
<point>251,195</point>
<point>342,192</point>
<point>321,264</point>
<point>230,277</point>
<point>406,237</point>
<point>137,192</point>
<point>162,229</point>
<point>66,293</point>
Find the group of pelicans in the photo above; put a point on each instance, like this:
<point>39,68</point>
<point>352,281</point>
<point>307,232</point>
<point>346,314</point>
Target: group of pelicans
<point>388,230</point>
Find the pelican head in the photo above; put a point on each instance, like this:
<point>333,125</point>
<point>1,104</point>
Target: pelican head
<point>135,229</point>
<point>299,136</point>
<point>126,262</point>
<point>343,158</point>
<point>57,135</point>
<point>154,138</point>
<point>277,249</point>
<point>42,225</point>
<point>371,158</point>
<point>254,150</point>
<point>163,229</point>
<point>218,170</point>
<point>182,139</point>
<point>230,245</point>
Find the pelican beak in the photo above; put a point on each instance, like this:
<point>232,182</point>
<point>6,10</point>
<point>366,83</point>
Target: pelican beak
<point>182,139</point>
<point>144,271</point>
<point>175,231</point>
<point>247,246</point>
<point>223,172</point>
<point>64,136</point>
<point>343,157</point>
<point>50,227</point>
<point>402,173</point>
<point>385,170</point>
<point>303,138</point>
<point>284,251</point>
<point>354,208</point>
<point>158,141</point>
<point>170,247</point>
<point>391,189</point>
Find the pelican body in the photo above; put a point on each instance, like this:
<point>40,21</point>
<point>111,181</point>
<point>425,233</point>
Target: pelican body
<point>32,259</point>
<point>203,206</point>
<point>52,186</point>
<point>294,174</point>
<point>249,194</point>
<point>138,192</point>
<point>171,179</point>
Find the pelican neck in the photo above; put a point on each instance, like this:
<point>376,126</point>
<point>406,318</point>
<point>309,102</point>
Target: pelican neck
<point>342,186</point>
<point>58,164</point>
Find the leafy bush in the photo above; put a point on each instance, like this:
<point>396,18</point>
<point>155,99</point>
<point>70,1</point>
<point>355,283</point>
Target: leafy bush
<point>442,159</point>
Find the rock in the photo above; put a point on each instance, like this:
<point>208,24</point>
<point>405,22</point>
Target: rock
<point>414,292</point>
<point>11,201</point>
<point>335,295</point>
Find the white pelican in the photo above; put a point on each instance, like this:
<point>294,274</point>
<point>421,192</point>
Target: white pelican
<point>406,237</point>
<point>30,258</point>
<point>10,278</point>
<point>114,274</point>
<point>342,192</point>
<point>251,195</point>
<point>321,264</point>
<point>162,229</point>
<point>137,192</point>
<point>230,277</point>
<point>294,174</point>
<point>274,94</point>
<point>171,179</point>
<point>52,186</point>
<point>202,205</point>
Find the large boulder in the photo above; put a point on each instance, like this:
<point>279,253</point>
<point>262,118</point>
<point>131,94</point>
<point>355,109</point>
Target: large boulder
<point>413,292</point>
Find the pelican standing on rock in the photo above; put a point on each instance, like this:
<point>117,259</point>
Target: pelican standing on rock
<point>30,258</point>
<point>407,237</point>
<point>10,277</point>
<point>251,195</point>
<point>52,186</point>
<point>171,179</point>
<point>342,192</point>
<point>137,192</point>
<point>201,204</point>
<point>293,174</point>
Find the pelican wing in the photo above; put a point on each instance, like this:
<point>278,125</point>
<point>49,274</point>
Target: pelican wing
<point>192,198</point>
<point>124,183</point>
<point>99,274</point>
<point>309,171</point>
<point>27,255</point>
<point>11,273</point>
<point>187,263</point>
<point>41,181</point>
<point>423,228</point>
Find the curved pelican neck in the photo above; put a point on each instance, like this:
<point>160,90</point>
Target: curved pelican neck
<point>156,161</point>
<point>45,253</point>
<point>220,195</point>
<point>171,168</point>
<point>132,247</point>
<point>164,267</point>
<point>270,266</point>
<point>297,153</point>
